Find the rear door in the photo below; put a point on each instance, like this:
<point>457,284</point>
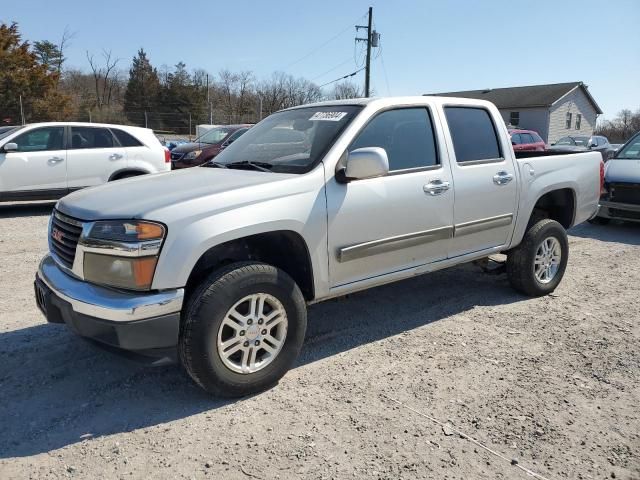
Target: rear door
<point>485,180</point>
<point>39,164</point>
<point>93,156</point>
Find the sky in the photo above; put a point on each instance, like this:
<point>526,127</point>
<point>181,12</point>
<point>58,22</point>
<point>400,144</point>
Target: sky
<point>426,46</point>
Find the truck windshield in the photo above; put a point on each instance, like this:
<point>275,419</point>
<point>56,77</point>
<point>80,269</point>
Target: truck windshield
<point>291,141</point>
<point>631,150</point>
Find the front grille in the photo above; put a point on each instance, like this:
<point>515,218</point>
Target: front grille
<point>625,193</point>
<point>64,235</point>
<point>176,156</point>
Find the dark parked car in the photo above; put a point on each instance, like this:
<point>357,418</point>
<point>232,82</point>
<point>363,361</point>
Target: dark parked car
<point>526,141</point>
<point>595,143</point>
<point>621,196</point>
<point>6,129</point>
<point>206,146</point>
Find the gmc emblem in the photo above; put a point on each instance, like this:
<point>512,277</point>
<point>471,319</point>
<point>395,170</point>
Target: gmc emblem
<point>57,234</point>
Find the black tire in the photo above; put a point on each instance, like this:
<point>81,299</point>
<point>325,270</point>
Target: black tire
<point>521,260</point>
<point>126,175</point>
<point>599,220</point>
<point>205,312</point>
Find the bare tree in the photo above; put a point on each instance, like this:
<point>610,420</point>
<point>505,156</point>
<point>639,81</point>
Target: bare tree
<point>65,41</point>
<point>104,77</point>
<point>346,90</point>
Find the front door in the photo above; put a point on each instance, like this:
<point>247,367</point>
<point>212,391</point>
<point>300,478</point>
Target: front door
<point>93,156</point>
<point>39,163</point>
<point>388,224</point>
<point>485,178</point>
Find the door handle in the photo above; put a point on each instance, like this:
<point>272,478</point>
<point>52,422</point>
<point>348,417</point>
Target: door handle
<point>502,177</point>
<point>115,156</point>
<point>54,160</point>
<point>436,187</point>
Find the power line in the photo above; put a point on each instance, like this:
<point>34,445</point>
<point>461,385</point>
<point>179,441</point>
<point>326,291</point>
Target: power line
<point>342,78</point>
<point>331,70</point>
<point>321,46</point>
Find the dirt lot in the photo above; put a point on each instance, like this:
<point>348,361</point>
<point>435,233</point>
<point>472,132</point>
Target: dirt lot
<point>552,383</point>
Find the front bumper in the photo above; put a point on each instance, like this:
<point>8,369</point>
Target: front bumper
<point>620,211</point>
<point>143,323</point>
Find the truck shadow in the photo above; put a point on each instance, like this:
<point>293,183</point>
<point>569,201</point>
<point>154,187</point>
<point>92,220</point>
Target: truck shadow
<point>615,232</point>
<point>31,209</point>
<point>57,389</point>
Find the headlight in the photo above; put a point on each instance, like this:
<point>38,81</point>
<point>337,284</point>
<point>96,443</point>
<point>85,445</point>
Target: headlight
<point>192,155</point>
<point>122,254</point>
<point>124,272</point>
<point>127,231</point>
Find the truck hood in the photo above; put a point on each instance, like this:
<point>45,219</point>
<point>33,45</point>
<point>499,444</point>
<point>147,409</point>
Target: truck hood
<point>622,171</point>
<point>141,197</point>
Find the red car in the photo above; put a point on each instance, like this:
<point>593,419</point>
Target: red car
<point>526,141</point>
<point>207,146</point>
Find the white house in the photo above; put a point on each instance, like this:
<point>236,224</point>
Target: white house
<point>554,110</point>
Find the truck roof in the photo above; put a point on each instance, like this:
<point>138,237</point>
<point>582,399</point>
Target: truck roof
<point>415,99</point>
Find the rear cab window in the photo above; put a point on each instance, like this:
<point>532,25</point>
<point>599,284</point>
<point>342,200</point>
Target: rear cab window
<point>474,135</point>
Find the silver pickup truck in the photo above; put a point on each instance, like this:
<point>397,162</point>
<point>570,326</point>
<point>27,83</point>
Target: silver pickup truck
<point>217,264</point>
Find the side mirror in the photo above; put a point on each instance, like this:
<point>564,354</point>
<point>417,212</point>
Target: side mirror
<point>366,162</point>
<point>593,145</point>
<point>553,143</point>
<point>10,147</point>
<point>513,143</point>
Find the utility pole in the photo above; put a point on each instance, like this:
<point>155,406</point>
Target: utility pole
<point>372,41</point>
<point>21,111</point>
<point>146,120</point>
<point>209,102</point>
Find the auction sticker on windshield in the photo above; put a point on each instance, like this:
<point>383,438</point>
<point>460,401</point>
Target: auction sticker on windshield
<point>328,116</point>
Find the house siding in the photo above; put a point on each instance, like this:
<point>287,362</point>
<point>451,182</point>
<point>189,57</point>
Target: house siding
<point>576,102</point>
<point>535,119</point>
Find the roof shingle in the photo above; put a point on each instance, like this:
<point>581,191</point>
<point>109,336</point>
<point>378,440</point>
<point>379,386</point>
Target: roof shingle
<point>523,97</point>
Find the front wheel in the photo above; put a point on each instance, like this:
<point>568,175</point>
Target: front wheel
<point>242,329</point>
<point>537,265</point>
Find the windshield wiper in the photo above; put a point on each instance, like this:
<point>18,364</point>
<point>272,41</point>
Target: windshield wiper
<point>213,164</point>
<point>262,166</point>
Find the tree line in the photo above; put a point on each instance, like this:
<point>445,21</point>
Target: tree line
<point>621,128</point>
<point>36,85</point>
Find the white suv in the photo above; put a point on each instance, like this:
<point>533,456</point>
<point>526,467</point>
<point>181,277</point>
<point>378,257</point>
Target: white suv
<point>48,160</point>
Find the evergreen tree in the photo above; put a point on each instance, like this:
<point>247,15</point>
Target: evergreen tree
<point>49,55</point>
<point>142,93</point>
<point>22,75</point>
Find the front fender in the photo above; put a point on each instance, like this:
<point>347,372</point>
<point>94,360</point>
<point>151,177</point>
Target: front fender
<point>189,238</point>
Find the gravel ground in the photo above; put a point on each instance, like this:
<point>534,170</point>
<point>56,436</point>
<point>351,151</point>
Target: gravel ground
<point>551,384</point>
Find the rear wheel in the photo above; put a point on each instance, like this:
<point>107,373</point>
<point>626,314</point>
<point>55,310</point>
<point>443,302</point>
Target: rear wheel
<point>242,329</point>
<point>537,265</point>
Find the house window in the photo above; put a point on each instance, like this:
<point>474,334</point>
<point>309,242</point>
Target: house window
<point>578,121</point>
<point>568,121</point>
<point>514,119</point>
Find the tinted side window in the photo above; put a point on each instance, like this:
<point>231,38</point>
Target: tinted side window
<point>473,134</point>
<point>515,139</point>
<point>126,139</point>
<point>235,135</point>
<point>407,136</point>
<point>527,138</point>
<point>537,137</point>
<point>90,137</point>
<point>40,139</point>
